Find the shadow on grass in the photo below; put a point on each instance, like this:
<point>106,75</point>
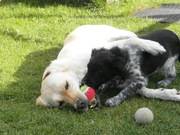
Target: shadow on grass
<point>12,33</point>
<point>153,27</point>
<point>26,88</point>
<point>44,3</point>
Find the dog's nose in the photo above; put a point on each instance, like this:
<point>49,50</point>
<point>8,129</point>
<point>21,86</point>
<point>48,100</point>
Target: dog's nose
<point>82,105</point>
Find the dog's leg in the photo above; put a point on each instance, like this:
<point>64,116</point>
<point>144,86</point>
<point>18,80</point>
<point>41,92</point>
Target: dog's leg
<point>149,46</point>
<point>161,93</point>
<point>116,82</point>
<point>128,92</point>
<point>169,70</point>
<point>113,83</point>
<point>144,45</point>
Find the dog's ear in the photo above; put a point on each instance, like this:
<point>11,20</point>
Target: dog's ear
<point>118,52</point>
<point>97,51</point>
<point>119,62</point>
<point>94,52</point>
<point>46,74</point>
<point>119,67</point>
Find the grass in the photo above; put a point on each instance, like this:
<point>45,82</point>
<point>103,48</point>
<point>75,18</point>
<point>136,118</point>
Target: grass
<point>31,35</point>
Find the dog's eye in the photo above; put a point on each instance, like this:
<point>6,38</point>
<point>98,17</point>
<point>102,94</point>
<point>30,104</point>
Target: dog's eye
<point>66,85</point>
<point>61,103</point>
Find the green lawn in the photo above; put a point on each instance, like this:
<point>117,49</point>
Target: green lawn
<point>32,34</point>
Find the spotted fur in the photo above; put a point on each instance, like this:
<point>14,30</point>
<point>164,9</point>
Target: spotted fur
<point>128,68</point>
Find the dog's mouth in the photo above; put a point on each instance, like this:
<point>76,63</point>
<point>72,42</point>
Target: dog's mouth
<point>95,102</point>
<point>83,105</point>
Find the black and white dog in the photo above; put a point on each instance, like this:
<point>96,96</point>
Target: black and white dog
<point>127,67</point>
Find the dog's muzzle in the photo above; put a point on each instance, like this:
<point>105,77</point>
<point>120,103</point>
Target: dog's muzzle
<point>82,105</point>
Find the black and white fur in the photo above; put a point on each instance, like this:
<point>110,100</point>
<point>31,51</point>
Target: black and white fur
<point>127,67</point>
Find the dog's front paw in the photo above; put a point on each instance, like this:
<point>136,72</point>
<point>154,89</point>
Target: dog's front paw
<point>159,49</point>
<point>114,101</point>
<point>109,103</point>
<point>155,48</point>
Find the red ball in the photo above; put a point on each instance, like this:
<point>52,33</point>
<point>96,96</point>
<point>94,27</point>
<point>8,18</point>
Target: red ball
<point>90,94</point>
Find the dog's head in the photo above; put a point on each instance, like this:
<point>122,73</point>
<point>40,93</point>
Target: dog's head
<point>61,88</point>
<point>104,65</point>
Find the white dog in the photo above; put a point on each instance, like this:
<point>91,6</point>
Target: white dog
<point>61,79</point>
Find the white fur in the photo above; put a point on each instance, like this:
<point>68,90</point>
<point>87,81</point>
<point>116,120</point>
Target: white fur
<point>161,93</point>
<point>152,47</point>
<point>71,63</point>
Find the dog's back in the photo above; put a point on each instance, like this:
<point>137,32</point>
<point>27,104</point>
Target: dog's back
<point>169,40</point>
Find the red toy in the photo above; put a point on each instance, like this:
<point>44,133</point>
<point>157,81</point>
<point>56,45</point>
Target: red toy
<point>91,96</point>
